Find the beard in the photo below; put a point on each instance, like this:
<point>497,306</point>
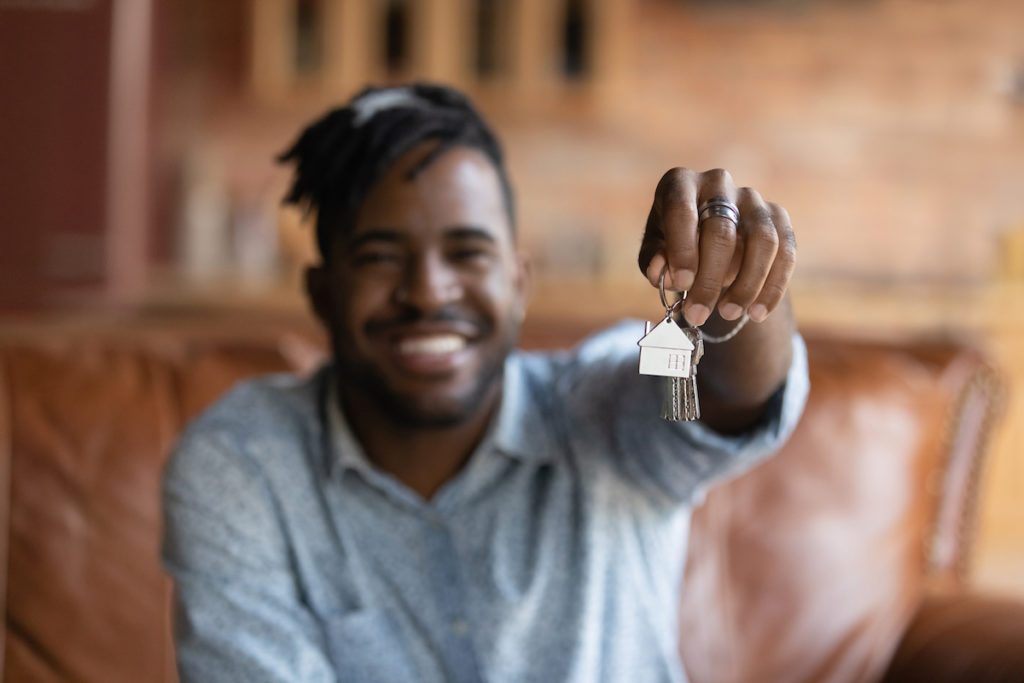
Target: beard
<point>408,411</point>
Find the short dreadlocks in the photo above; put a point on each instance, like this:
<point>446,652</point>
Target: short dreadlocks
<point>341,156</point>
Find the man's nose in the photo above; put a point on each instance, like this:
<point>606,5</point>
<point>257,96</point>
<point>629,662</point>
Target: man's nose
<point>430,283</point>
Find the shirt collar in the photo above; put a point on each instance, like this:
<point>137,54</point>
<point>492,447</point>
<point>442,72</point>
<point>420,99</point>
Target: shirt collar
<point>518,430</point>
<point>345,451</point>
<point>524,425</point>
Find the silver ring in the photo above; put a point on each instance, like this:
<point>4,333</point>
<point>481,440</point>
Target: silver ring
<point>719,207</point>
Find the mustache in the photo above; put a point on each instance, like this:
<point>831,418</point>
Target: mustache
<point>447,315</point>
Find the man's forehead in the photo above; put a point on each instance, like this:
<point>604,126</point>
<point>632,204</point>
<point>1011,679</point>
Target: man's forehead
<point>369,234</point>
<point>425,158</point>
<point>460,186</point>
<point>428,192</point>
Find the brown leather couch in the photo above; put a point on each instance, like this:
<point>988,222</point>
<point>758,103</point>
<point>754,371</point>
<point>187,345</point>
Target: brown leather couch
<point>843,558</point>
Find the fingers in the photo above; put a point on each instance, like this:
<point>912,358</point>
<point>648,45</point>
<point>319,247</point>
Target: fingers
<point>679,223</point>
<point>742,267</point>
<point>718,238</point>
<point>671,233</point>
<point>761,243</point>
<point>774,289</point>
<point>651,259</point>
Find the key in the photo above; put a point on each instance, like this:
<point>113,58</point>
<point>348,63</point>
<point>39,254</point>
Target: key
<point>670,351</point>
<point>686,387</point>
<point>672,401</point>
<point>680,400</point>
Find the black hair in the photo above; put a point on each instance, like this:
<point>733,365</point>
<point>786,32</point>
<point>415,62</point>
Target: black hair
<point>342,155</point>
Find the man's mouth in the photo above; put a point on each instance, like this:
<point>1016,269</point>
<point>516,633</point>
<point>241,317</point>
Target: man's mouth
<point>434,354</point>
<point>432,345</point>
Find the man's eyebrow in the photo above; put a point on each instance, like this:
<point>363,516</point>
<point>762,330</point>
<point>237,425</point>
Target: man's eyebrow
<point>374,235</point>
<point>467,232</point>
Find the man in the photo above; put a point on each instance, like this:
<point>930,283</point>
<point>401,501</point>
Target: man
<point>433,506</point>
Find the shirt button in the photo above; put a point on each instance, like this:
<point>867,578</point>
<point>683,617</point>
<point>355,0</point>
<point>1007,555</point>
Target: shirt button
<point>460,627</point>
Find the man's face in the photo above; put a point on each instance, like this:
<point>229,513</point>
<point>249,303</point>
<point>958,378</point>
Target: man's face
<point>425,297</point>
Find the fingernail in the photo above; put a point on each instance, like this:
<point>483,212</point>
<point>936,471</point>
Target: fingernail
<point>683,279</point>
<point>758,313</point>
<point>731,311</point>
<point>697,314</point>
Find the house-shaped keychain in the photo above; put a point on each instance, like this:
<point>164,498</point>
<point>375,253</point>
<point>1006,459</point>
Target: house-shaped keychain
<point>665,351</point>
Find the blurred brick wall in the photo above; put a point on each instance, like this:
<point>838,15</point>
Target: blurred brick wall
<point>893,131</point>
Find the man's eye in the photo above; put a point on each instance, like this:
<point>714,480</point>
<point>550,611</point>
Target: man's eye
<point>469,254</point>
<point>369,258</point>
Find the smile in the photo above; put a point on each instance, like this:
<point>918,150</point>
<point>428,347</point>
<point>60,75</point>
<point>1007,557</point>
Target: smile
<point>433,345</point>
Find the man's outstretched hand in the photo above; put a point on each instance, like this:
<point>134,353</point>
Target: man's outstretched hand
<point>727,269</point>
<point>741,267</point>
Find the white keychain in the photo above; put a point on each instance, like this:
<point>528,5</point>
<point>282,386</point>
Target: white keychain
<point>670,351</point>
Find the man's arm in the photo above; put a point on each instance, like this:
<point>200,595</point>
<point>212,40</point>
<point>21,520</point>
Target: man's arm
<point>614,410</point>
<point>238,615</point>
<point>736,378</point>
<point>728,269</point>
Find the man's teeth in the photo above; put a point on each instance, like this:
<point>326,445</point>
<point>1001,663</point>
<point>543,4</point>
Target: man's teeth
<point>438,344</point>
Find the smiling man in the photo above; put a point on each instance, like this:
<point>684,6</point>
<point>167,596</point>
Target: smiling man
<point>433,505</point>
<point>423,298</point>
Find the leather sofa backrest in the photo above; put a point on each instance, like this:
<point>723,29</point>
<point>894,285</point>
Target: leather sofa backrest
<point>809,567</point>
<point>811,561</point>
<point>91,421</point>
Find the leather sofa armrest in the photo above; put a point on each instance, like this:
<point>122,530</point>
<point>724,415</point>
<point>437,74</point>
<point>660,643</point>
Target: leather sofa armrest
<point>962,638</point>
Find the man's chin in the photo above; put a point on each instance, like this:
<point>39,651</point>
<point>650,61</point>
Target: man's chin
<point>425,413</point>
<point>425,420</point>
<point>417,403</point>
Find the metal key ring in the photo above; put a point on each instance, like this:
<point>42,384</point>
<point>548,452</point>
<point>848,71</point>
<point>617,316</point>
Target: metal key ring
<point>682,297</point>
<point>664,301</point>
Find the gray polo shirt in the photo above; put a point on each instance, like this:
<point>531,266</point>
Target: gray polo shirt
<point>556,554</point>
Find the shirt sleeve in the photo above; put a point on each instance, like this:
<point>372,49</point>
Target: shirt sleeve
<point>615,405</point>
<point>237,611</point>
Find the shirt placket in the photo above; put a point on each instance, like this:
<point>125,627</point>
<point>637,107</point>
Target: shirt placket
<point>459,651</point>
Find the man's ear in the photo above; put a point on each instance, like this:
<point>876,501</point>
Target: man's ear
<point>319,292</point>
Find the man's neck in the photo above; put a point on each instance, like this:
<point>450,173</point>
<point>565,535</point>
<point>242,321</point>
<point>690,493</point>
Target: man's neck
<point>421,458</point>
